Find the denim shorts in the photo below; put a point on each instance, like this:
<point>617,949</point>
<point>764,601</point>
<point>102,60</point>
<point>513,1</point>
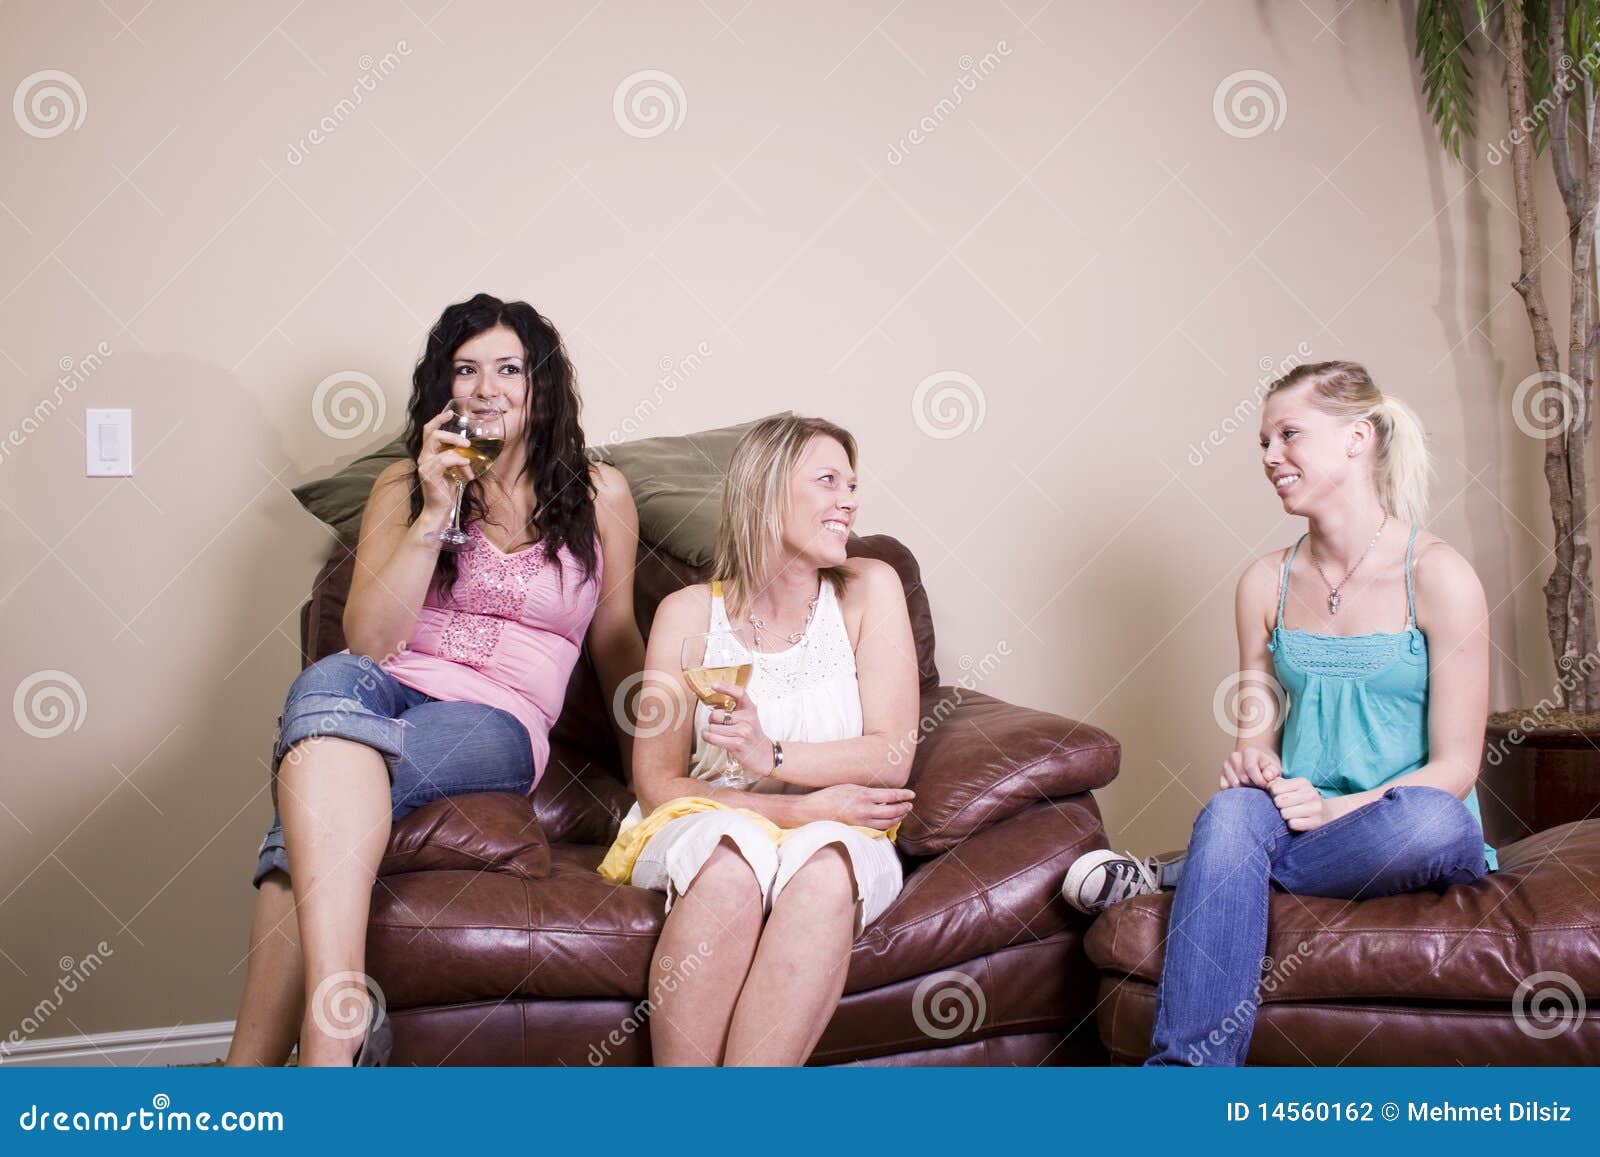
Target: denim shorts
<point>433,747</point>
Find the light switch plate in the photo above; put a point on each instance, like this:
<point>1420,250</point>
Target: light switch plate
<point>108,437</point>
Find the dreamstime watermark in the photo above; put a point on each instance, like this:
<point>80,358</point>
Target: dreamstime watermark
<point>1249,703</point>
<point>1548,1004</point>
<point>366,82</point>
<point>156,1119</point>
<point>947,1004</point>
<point>48,103</point>
<point>648,103</point>
<point>973,672</point>
<point>1547,404</point>
<point>49,703</point>
<point>1248,103</point>
<point>674,973</point>
<point>73,974</point>
<point>328,723</point>
<point>1573,673</point>
<point>348,404</point>
<point>1244,413</point>
<point>972,72</point>
<point>344,1004</point>
<point>1525,128</point>
<point>650,703</point>
<point>673,375</point>
<point>1243,1015</point>
<point>948,404</point>
<point>73,374</point>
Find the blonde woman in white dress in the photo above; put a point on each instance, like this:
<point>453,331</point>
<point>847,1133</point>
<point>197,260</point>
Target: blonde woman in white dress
<point>769,883</point>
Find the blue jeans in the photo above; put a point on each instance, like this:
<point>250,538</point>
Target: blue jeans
<point>1409,839</point>
<point>433,747</point>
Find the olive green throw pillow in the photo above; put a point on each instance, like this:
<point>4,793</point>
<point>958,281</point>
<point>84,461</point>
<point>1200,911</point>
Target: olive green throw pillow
<point>677,486</point>
<point>676,483</point>
<point>340,499</point>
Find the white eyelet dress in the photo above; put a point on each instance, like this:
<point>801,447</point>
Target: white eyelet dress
<point>805,694</point>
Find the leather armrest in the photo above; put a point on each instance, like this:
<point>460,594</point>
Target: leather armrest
<point>1001,887</point>
<point>980,760</point>
<point>487,832</point>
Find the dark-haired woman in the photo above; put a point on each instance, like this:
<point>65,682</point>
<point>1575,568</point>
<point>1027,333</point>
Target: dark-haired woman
<point>457,667</point>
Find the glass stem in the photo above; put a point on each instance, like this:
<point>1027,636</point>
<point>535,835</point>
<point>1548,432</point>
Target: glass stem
<point>455,510</point>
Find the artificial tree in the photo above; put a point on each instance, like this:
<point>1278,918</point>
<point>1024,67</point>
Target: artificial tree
<point>1551,52</point>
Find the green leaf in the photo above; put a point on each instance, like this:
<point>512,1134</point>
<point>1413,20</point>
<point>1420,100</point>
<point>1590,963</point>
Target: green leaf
<point>1443,53</point>
<point>1536,54</point>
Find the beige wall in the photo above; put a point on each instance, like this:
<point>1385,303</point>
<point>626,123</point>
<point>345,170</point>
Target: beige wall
<point>1080,237</point>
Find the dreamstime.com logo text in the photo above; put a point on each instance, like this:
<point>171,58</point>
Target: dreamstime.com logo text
<point>972,71</point>
<point>673,973</point>
<point>973,672</point>
<point>1525,129</point>
<point>673,375</point>
<point>73,974</point>
<point>366,82</point>
<point>1244,413</point>
<point>160,1117</point>
<point>73,374</point>
<point>1243,1016</point>
<point>1573,672</point>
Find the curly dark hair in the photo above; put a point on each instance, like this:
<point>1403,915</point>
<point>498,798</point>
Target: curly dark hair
<point>563,512</point>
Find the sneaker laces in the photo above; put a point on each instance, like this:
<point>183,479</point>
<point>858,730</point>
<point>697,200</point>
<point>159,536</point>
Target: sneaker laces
<point>1130,876</point>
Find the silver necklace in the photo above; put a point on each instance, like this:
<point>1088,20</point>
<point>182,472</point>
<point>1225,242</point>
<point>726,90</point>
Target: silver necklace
<point>1334,597</point>
<point>758,625</point>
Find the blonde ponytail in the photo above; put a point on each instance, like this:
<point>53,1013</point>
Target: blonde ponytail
<point>1402,468</point>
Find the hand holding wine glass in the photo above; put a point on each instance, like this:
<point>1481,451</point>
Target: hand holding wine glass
<point>722,657</point>
<point>440,452</point>
<point>465,440</point>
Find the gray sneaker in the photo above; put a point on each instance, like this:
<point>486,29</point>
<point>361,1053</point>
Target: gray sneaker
<point>1102,878</point>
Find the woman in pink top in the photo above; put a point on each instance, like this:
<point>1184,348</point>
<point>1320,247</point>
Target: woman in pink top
<point>458,665</point>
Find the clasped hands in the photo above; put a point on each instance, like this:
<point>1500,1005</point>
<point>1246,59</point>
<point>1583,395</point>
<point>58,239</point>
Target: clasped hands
<point>1298,802</point>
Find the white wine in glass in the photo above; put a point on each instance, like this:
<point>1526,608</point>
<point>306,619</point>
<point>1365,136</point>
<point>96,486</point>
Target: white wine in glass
<point>485,431</point>
<point>719,657</point>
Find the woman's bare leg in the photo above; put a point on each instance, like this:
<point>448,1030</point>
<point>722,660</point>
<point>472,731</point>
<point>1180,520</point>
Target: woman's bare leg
<point>799,970</point>
<point>722,910</point>
<point>273,1002</point>
<point>333,798</point>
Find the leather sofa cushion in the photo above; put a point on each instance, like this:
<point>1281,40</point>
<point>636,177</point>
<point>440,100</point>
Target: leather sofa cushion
<point>1540,913</point>
<point>981,760</point>
<point>451,937</point>
<point>487,832</point>
<point>579,799</point>
<point>1363,1033</point>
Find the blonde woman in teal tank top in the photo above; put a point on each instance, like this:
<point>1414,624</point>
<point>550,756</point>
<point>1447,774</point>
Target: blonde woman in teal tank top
<point>1373,635</point>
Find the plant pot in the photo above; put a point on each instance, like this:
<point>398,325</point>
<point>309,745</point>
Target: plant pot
<point>1537,778</point>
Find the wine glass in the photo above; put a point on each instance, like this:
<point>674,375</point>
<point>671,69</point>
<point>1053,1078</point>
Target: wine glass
<point>719,657</point>
<point>485,431</point>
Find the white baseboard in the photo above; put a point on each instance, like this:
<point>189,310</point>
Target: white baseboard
<point>185,1044</point>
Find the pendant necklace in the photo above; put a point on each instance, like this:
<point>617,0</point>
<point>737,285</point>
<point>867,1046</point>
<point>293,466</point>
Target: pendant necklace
<point>759,625</point>
<point>1334,597</point>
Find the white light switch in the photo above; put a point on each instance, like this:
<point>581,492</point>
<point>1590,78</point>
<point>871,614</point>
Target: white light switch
<point>108,435</point>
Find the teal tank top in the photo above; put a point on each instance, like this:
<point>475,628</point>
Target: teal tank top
<point>1358,704</point>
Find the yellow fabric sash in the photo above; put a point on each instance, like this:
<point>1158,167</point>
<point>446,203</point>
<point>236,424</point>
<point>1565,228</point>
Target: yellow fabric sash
<point>624,854</point>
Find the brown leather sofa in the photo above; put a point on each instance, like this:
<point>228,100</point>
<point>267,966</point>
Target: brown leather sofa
<point>495,941</point>
<point>1421,979</point>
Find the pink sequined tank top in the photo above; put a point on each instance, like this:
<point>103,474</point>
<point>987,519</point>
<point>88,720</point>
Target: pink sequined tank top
<point>508,635</point>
